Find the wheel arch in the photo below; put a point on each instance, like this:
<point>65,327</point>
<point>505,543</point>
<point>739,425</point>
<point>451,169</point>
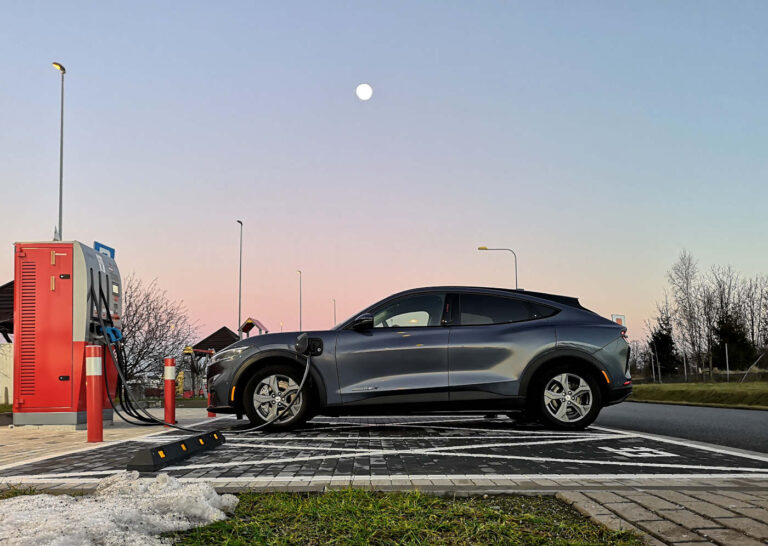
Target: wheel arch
<point>578,359</point>
<point>273,357</point>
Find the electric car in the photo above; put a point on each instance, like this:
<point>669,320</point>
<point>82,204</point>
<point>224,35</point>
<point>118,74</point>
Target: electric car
<point>434,350</point>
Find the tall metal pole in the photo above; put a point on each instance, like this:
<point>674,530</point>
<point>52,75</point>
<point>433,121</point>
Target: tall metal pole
<point>63,71</point>
<point>240,287</point>
<point>299,272</point>
<point>508,250</point>
<point>334,311</point>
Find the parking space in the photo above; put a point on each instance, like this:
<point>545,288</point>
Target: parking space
<point>418,450</point>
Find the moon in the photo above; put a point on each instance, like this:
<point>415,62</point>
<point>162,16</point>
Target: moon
<point>364,91</point>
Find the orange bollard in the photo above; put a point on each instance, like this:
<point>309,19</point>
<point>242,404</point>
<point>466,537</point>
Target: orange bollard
<point>94,393</point>
<point>170,390</point>
<point>209,403</point>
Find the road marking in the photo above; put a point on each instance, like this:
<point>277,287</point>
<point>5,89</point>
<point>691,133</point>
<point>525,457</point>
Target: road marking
<point>693,445</point>
<point>422,438</point>
<point>422,450</point>
<point>408,477</point>
<point>638,452</point>
<point>436,451</point>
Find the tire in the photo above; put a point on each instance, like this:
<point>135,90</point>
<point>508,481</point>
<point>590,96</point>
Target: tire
<point>262,403</point>
<point>567,398</point>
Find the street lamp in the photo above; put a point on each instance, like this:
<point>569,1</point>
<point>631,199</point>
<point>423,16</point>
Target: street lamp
<point>240,286</point>
<point>60,68</point>
<point>334,311</point>
<point>508,250</point>
<point>299,272</point>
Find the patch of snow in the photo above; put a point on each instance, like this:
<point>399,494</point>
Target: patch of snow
<point>124,509</point>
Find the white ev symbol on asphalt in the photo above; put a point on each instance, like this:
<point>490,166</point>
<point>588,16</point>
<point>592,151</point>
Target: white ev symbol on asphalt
<point>638,452</point>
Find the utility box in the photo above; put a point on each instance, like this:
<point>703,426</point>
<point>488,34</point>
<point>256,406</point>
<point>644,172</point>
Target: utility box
<point>62,291</point>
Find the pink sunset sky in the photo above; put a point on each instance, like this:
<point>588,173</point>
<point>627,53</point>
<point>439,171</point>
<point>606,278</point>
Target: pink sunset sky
<point>596,140</point>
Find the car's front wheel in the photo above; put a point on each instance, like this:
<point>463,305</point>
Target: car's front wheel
<point>272,394</point>
<point>568,398</point>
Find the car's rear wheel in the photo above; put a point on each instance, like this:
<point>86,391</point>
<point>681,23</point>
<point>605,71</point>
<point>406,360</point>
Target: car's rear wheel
<point>568,398</point>
<point>270,391</point>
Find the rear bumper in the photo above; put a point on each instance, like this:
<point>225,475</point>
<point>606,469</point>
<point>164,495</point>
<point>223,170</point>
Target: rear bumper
<point>618,395</point>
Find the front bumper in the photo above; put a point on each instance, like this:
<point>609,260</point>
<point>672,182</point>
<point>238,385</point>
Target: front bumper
<point>221,409</point>
<point>618,395</point>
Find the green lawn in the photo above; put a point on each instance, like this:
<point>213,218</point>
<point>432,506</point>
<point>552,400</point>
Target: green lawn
<point>355,516</point>
<point>754,394</point>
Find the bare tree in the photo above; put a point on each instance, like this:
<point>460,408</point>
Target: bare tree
<point>753,302</point>
<point>683,277</point>
<point>196,366</point>
<point>154,327</point>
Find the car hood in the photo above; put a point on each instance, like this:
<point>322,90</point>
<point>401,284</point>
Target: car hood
<point>281,340</point>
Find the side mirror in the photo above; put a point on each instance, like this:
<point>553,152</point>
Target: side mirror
<point>302,344</point>
<point>363,322</point>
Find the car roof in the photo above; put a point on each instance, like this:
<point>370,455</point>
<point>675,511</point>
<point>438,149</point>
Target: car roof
<point>554,298</point>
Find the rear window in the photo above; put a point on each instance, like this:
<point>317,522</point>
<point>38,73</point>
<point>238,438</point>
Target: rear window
<point>479,309</point>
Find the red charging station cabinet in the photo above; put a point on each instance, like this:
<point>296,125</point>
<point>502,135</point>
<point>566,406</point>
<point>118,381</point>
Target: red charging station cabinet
<point>54,319</point>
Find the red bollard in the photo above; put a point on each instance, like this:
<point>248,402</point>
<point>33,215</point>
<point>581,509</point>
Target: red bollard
<point>170,390</point>
<point>94,393</point>
<point>209,403</point>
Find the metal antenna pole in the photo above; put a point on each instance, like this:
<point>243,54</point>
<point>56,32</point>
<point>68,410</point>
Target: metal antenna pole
<point>61,158</point>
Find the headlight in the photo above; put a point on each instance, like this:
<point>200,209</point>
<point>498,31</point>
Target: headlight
<point>229,354</point>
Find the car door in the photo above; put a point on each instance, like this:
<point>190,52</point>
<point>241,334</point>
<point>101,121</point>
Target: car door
<point>492,339</point>
<point>403,359</point>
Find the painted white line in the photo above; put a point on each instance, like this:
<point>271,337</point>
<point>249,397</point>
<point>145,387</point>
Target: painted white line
<point>421,438</point>
<point>62,475</point>
<point>366,478</point>
<point>421,450</point>
<point>434,451</point>
<point>684,443</point>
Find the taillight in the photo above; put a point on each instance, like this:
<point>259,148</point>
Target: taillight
<point>624,333</point>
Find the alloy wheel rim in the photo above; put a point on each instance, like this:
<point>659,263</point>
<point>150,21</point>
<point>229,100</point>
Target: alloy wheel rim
<point>273,394</point>
<point>568,397</point>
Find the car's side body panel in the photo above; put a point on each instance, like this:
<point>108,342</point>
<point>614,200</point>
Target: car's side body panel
<point>391,365</point>
<point>487,361</point>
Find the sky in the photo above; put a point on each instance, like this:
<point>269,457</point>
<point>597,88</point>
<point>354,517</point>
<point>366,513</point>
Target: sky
<point>596,139</point>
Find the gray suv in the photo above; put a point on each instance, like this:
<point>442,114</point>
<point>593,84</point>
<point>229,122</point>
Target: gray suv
<point>433,350</point>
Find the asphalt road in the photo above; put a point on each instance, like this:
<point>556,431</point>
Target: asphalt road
<point>742,429</point>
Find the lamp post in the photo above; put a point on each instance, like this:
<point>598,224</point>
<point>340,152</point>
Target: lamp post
<point>508,250</point>
<point>240,286</point>
<point>334,311</point>
<point>60,68</point>
<point>299,272</point>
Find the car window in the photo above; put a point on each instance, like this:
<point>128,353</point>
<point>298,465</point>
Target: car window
<point>479,309</point>
<point>541,311</point>
<point>411,311</point>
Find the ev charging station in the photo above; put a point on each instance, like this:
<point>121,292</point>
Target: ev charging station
<point>55,317</point>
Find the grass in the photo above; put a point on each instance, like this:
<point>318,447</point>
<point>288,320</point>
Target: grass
<point>6,408</point>
<point>356,516</point>
<point>754,394</point>
<point>15,491</point>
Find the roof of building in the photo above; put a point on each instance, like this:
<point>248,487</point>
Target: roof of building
<point>221,338</point>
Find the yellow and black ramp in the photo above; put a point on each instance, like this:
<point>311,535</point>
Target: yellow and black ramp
<point>156,457</point>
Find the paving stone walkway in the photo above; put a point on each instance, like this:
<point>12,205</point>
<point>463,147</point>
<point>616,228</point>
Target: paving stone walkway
<point>726,517</point>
